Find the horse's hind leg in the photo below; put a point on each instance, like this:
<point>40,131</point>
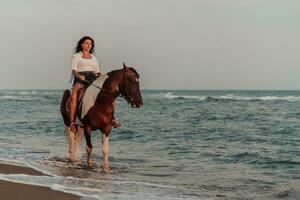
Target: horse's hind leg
<point>89,147</point>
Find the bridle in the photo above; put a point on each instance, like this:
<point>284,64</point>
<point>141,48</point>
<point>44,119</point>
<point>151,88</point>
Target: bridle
<point>116,94</point>
<point>126,95</point>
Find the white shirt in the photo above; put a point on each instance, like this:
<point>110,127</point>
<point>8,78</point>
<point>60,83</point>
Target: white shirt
<point>84,64</point>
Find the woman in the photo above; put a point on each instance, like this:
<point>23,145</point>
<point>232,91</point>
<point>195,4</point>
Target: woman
<point>85,69</point>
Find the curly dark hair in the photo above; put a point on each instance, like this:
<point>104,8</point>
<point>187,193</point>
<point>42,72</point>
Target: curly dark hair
<point>78,48</point>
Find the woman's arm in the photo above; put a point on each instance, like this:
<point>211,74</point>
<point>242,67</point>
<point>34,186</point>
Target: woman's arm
<point>97,68</point>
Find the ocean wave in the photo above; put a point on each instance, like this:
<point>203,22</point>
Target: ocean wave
<point>231,97</point>
<point>11,161</point>
<point>52,93</point>
<point>18,98</point>
<point>170,95</point>
<point>30,92</point>
<point>9,92</point>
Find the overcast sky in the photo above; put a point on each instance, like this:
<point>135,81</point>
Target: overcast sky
<point>173,44</point>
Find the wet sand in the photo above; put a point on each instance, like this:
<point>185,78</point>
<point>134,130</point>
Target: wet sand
<point>18,191</point>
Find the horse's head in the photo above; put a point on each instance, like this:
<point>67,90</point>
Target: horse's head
<point>130,87</point>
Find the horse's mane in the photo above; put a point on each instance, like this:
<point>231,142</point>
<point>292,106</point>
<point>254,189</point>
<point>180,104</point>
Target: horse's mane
<point>113,72</point>
<point>131,68</point>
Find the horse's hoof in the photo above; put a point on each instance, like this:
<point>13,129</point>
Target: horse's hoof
<point>72,161</point>
<point>90,163</point>
<point>106,170</point>
<point>78,161</point>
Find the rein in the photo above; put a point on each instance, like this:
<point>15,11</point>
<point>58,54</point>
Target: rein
<point>104,90</point>
<point>117,94</point>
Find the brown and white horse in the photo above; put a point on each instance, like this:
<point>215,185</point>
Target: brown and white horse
<point>96,109</point>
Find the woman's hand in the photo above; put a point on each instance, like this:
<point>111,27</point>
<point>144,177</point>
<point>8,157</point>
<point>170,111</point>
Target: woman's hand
<point>81,77</point>
<point>77,75</point>
<point>97,74</point>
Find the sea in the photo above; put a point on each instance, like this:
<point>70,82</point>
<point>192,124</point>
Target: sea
<point>180,145</point>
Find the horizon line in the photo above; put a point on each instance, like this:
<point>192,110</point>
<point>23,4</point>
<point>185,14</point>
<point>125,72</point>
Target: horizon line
<point>1,89</point>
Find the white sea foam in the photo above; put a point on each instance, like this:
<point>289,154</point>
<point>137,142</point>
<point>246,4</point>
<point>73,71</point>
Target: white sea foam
<point>51,93</point>
<point>11,161</point>
<point>37,168</point>
<point>20,98</point>
<point>16,92</point>
<point>43,181</point>
<point>262,98</point>
<point>170,95</point>
<point>10,92</point>
<point>25,163</point>
<point>75,185</point>
<point>28,92</point>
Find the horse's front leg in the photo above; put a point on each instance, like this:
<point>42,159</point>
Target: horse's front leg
<point>89,147</point>
<point>105,149</point>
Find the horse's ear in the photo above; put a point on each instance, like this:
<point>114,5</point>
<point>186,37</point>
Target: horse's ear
<point>125,67</point>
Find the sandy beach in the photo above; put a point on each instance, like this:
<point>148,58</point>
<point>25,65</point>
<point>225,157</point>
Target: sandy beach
<point>17,191</point>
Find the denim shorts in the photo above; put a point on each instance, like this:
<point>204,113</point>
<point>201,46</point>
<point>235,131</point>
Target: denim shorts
<point>88,76</point>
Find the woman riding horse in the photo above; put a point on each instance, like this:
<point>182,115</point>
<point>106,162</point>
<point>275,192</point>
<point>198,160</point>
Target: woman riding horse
<point>85,69</point>
<point>97,109</point>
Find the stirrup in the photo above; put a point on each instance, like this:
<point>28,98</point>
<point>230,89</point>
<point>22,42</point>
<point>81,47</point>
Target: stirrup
<point>73,127</point>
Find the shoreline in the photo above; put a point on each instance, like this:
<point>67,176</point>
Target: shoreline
<point>20,191</point>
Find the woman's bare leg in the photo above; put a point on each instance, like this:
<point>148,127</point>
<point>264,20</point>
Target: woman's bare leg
<point>73,105</point>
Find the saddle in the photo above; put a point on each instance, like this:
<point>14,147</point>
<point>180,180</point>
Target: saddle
<point>86,99</point>
<point>87,96</point>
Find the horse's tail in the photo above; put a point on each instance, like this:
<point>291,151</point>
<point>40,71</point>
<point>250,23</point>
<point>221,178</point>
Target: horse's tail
<point>63,107</point>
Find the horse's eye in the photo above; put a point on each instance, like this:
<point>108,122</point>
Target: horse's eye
<point>132,80</point>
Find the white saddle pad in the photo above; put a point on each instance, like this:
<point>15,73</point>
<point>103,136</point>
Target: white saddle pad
<point>90,95</point>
